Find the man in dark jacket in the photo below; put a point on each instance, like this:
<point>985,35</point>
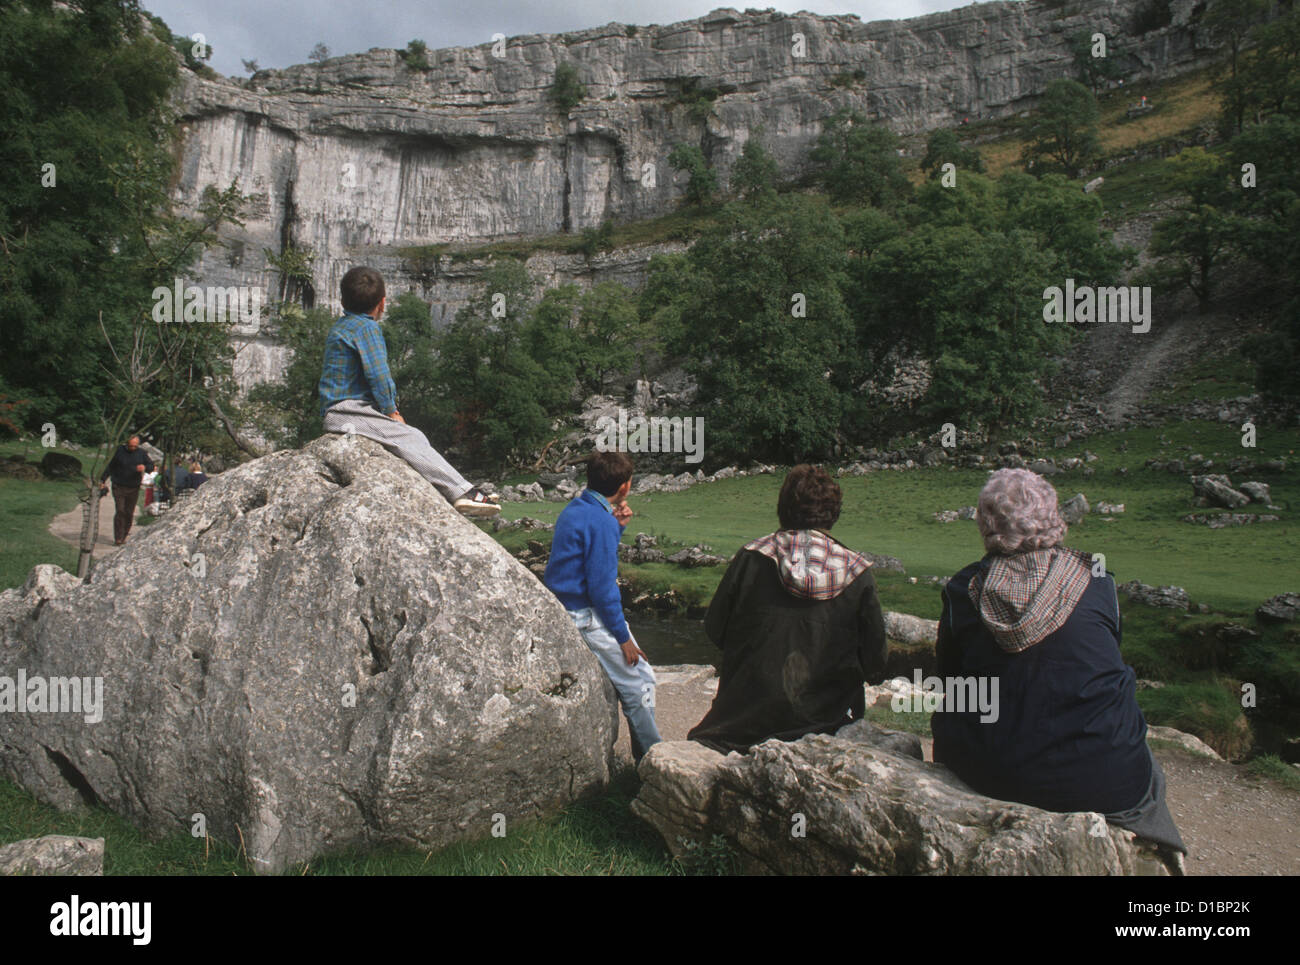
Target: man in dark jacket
<point>800,626</point>
<point>127,467</point>
<point>1068,734</point>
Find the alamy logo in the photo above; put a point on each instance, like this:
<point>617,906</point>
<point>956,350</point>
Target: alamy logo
<point>75,917</point>
<point>235,305</point>
<point>956,695</point>
<point>655,434</point>
<point>1086,304</point>
<point>53,695</point>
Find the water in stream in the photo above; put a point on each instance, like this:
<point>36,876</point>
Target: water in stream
<point>667,639</point>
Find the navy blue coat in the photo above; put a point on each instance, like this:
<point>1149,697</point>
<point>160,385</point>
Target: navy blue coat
<point>1069,735</point>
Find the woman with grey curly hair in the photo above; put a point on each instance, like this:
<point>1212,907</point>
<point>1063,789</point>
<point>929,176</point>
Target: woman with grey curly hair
<point>1034,615</point>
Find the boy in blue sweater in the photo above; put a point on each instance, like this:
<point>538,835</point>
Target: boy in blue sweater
<point>583,574</point>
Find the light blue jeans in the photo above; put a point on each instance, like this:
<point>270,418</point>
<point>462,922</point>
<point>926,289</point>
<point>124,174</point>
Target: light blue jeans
<point>635,684</point>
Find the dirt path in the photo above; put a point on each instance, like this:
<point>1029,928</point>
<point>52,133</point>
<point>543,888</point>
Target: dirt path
<point>1233,823</point>
<point>67,527</point>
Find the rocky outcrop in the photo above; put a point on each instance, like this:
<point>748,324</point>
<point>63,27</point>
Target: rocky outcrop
<point>313,652</point>
<point>1216,490</point>
<point>1169,597</point>
<point>913,631</point>
<point>54,854</point>
<point>864,802</point>
<point>1283,608</point>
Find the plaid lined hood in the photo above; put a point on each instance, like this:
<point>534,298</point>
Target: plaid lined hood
<point>1023,598</point>
<point>812,565</point>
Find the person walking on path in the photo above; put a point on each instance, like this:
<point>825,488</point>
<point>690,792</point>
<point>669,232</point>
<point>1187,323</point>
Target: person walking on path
<point>127,469</point>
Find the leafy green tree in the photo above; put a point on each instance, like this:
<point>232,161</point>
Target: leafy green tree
<point>1063,131</point>
<point>506,368</point>
<point>1229,22</point>
<point>944,147</point>
<point>702,180</point>
<point>86,228</point>
<point>970,303</point>
<point>608,332</point>
<point>287,412</point>
<point>1269,235</point>
<point>1192,245</point>
<point>765,320</point>
<point>1269,83</point>
<point>416,55</point>
<point>568,90</point>
<point>858,161</point>
<point>756,171</point>
<point>1093,71</point>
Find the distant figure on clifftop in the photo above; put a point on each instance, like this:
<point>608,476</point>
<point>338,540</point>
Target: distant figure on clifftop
<point>800,626</point>
<point>1068,734</point>
<point>357,393</point>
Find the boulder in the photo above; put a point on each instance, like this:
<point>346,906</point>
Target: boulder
<point>314,652</point>
<point>1075,509</point>
<point>1257,491</point>
<point>59,465</point>
<point>1109,509</point>
<point>1283,608</point>
<point>863,801</point>
<point>911,630</point>
<point>1170,597</point>
<point>697,555</point>
<point>1224,520</point>
<point>1217,491</point>
<point>1189,742</point>
<point>54,854</point>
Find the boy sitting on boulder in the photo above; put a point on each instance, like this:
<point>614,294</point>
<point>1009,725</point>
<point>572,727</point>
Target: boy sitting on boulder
<point>583,574</point>
<point>357,393</point>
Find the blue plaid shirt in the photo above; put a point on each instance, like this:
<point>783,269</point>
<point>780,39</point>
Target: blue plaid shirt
<point>356,365</point>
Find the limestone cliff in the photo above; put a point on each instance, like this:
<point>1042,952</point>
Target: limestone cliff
<point>362,155</point>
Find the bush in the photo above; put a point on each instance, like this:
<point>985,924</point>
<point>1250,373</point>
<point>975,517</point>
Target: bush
<point>416,55</point>
<point>568,90</point>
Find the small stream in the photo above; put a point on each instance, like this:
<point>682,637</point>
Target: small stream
<point>668,639</point>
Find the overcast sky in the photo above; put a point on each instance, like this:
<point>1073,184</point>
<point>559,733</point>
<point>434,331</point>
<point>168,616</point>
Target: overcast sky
<point>277,33</point>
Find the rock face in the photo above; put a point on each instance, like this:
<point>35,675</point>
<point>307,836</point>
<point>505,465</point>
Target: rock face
<point>313,652</point>
<point>863,802</point>
<point>54,854</point>
<point>911,630</point>
<point>362,153</point>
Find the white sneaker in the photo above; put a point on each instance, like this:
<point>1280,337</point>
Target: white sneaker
<point>478,504</point>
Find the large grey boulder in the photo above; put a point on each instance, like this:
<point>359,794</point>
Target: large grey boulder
<point>313,652</point>
<point>1075,509</point>
<point>1283,608</point>
<point>862,801</point>
<point>911,630</point>
<point>1169,597</point>
<point>54,854</point>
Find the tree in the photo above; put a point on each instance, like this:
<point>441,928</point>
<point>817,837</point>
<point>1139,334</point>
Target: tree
<point>702,180</point>
<point>1228,22</point>
<point>1269,83</point>
<point>1063,132</point>
<point>608,330</point>
<point>764,319</point>
<point>1093,71</point>
<point>859,162</point>
<point>319,54</point>
<point>568,90</point>
<point>416,55</point>
<point>506,366</point>
<point>250,66</point>
<point>756,170</point>
<point>1192,244</point>
<point>944,147</point>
